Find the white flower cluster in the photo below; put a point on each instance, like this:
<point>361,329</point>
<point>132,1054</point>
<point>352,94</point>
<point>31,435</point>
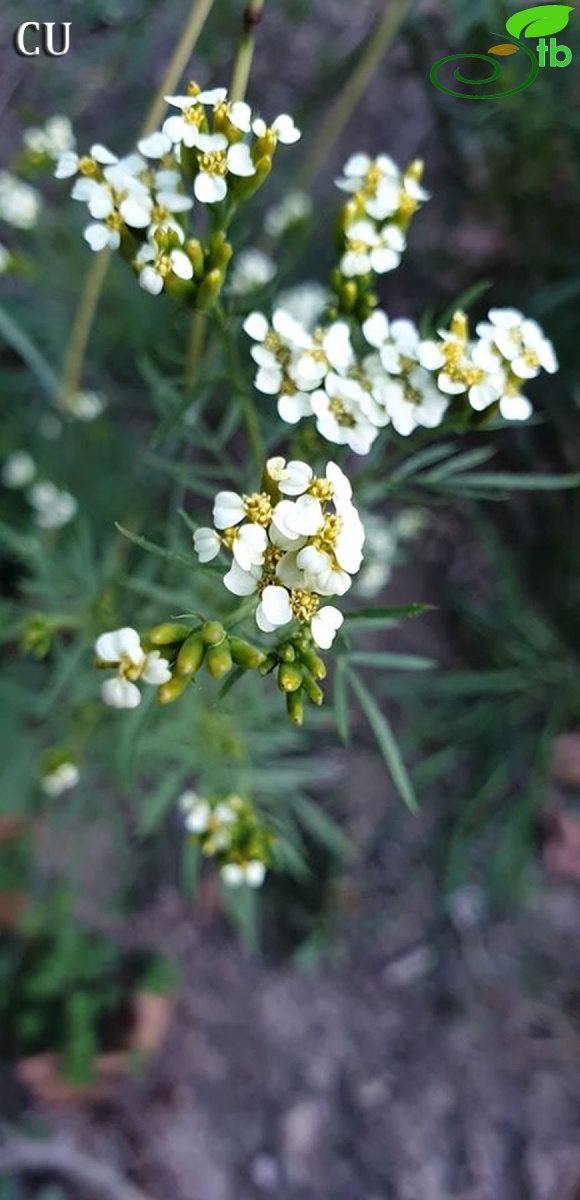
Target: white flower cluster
<point>55,138</point>
<point>226,827</point>
<point>383,201</point>
<point>52,506</point>
<point>213,129</point>
<point>60,780</point>
<point>125,195</point>
<point>121,649</point>
<point>146,194</point>
<point>294,208</point>
<point>288,546</point>
<point>20,204</point>
<point>404,381</point>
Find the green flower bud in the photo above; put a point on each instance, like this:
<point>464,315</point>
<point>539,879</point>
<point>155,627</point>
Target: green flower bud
<point>295,707</point>
<point>245,655</point>
<point>289,677</point>
<point>348,295</point>
<point>209,289</point>
<point>172,690</point>
<point>286,652</point>
<point>190,656</point>
<point>219,659</point>
<point>268,665</point>
<point>313,661</point>
<point>213,633</point>
<point>194,251</point>
<point>248,184</point>
<point>313,691</point>
<point>163,635</point>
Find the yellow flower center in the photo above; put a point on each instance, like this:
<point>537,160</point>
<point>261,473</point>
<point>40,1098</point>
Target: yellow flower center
<point>340,414</point>
<point>214,163</point>
<point>304,604</point>
<point>321,489</point>
<point>258,508</point>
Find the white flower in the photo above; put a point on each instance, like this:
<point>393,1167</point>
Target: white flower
<point>86,406</point>
<point>292,477</point>
<point>18,470</point>
<point>325,625</point>
<point>282,127</point>
<point>53,508</point>
<point>519,340</point>
<point>254,873</point>
<point>294,207</point>
<point>340,415</point>
<point>414,400</point>
<point>235,874</point>
<point>70,163</point>
<point>20,204</point>
<point>62,779</point>
<point>295,519</point>
<point>196,811</point>
<point>121,648</point>
<point>54,140</point>
<point>252,269</point>
<point>331,349</point>
<point>217,159</point>
<point>155,265</point>
<point>274,609</point>
<point>371,249</point>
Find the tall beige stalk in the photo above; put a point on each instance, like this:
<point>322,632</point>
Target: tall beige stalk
<point>95,279</point>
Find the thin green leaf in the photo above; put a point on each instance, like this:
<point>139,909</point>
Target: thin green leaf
<point>19,340</point>
<point>152,547</point>
<point>391,662</point>
<point>340,697</point>
<point>386,742</point>
<point>378,616</point>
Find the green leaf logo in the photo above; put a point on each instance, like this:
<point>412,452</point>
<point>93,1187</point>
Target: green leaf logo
<point>541,21</point>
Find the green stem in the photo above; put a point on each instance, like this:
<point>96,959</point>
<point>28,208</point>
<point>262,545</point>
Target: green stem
<point>245,54</point>
<point>354,89</point>
<point>81,330</point>
<point>194,348</point>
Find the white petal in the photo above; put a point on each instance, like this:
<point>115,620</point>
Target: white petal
<point>325,624</point>
<point>97,236</point>
<point>240,115</point>
<point>240,160</point>
<point>228,509</point>
<point>232,874</point>
<point>211,96</point>
<point>156,670</point>
<point>112,646</point>
<point>156,145</point>
<point>285,129</point>
<point>120,693</point>
<point>151,281</point>
<point>174,129</point>
<point>292,408</point>
<point>242,583</point>
<point>376,329</point>
<point>249,547</point>
<point>515,408</point>
<point>254,873</point>
<point>256,326</point>
<point>276,605</point>
<point>100,203</point>
<point>180,265</point>
<point>136,211</point>
<point>207,544</point>
<point>210,189</point>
